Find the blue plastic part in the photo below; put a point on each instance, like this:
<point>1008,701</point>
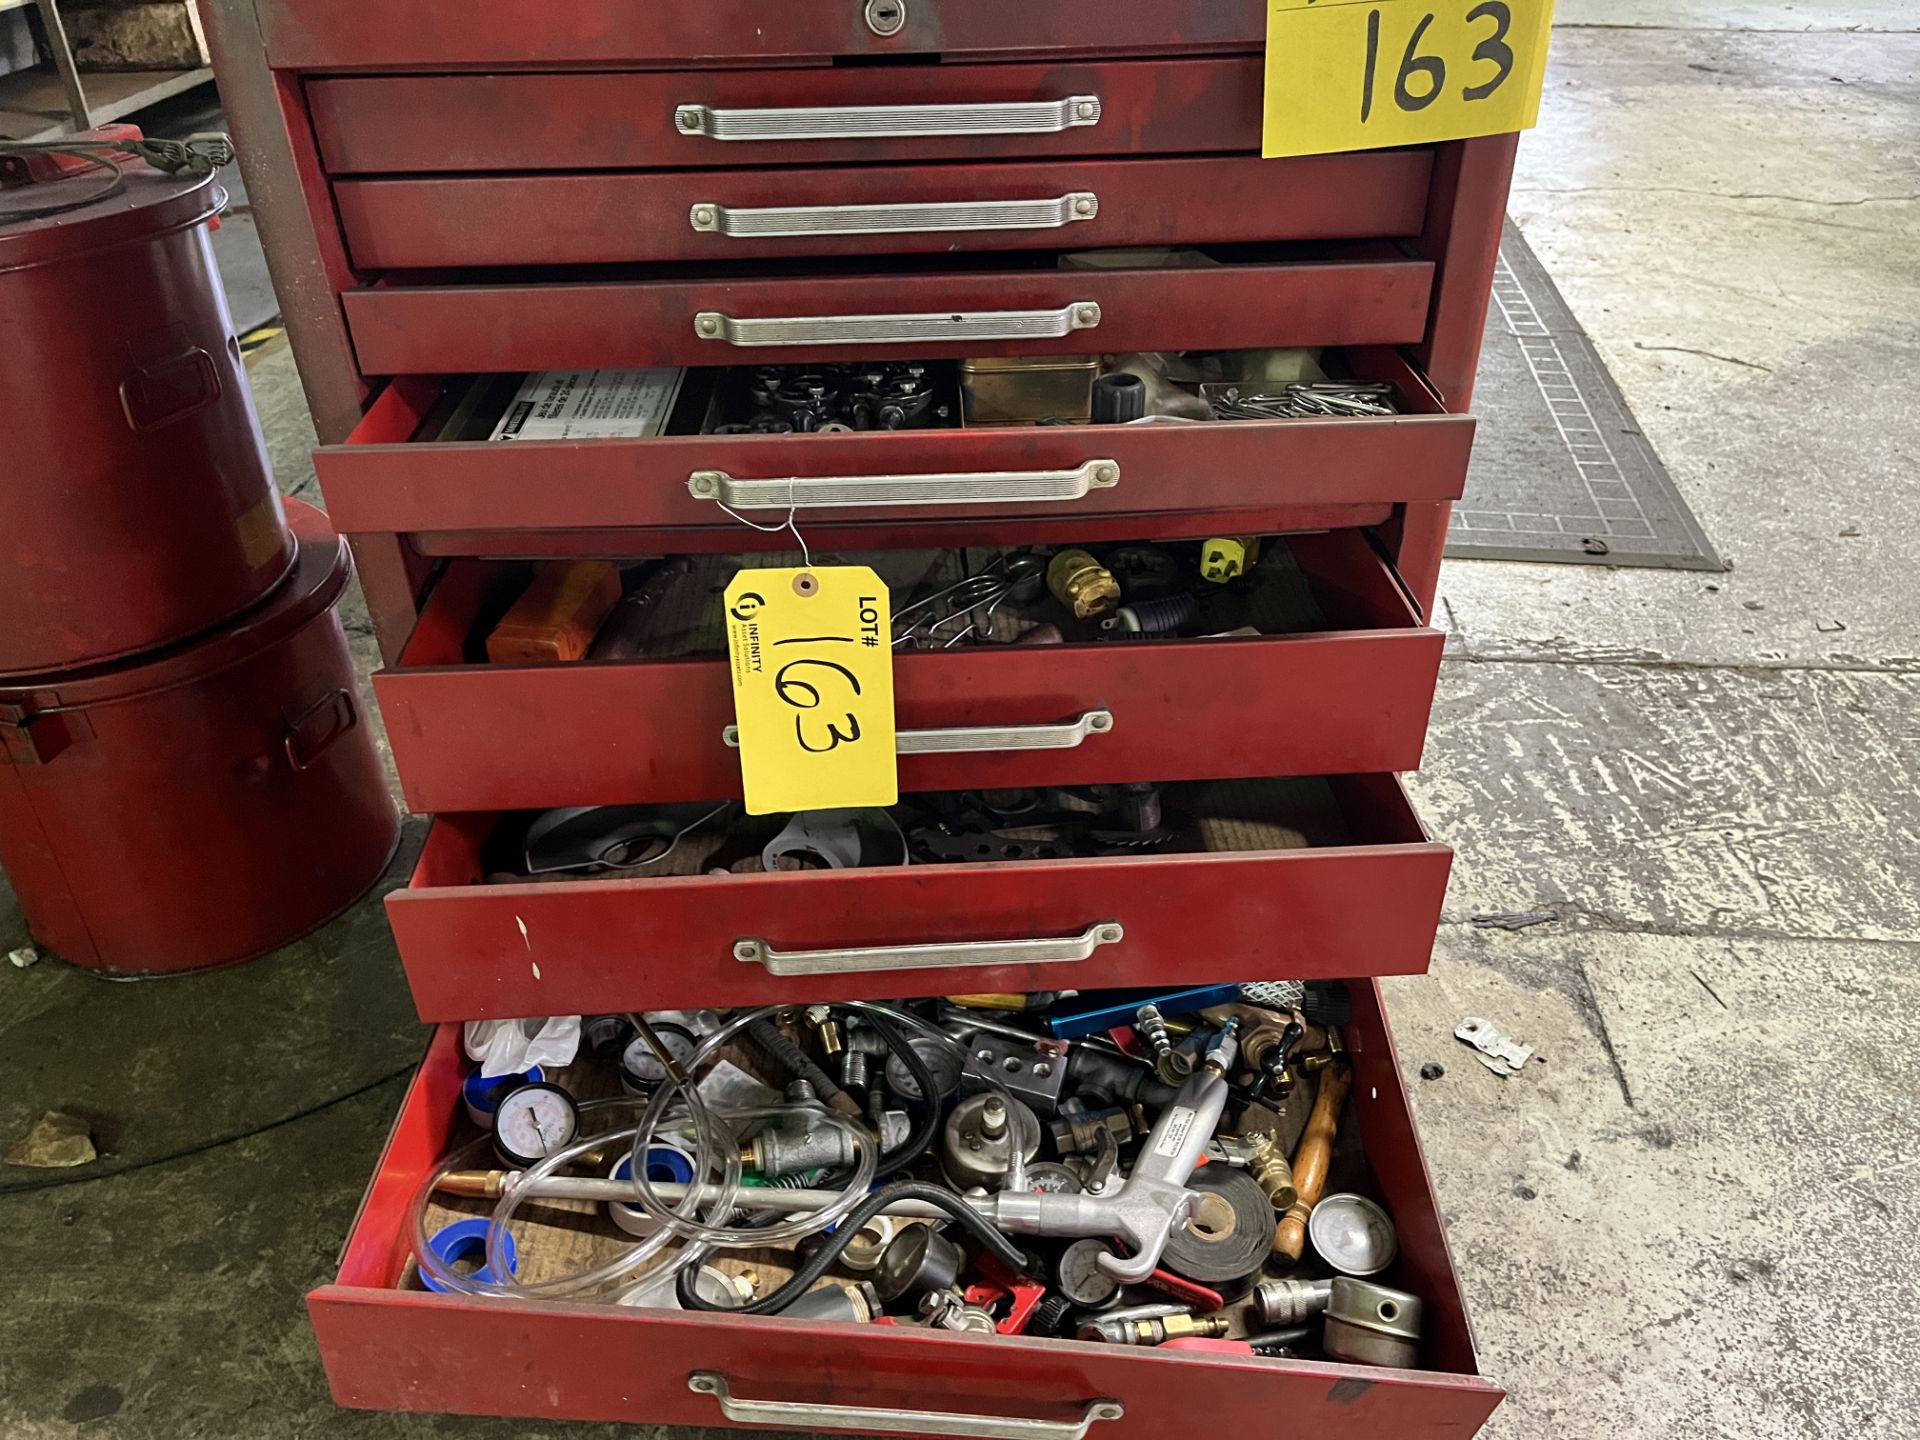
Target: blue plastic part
<point>482,1094</point>
<point>1093,1011</point>
<point>463,1240</point>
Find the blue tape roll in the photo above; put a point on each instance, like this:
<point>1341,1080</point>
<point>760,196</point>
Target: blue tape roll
<point>467,1240</point>
<point>482,1094</point>
<point>665,1164</point>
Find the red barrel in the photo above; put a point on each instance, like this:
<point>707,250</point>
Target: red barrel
<point>136,504</point>
<point>208,803</point>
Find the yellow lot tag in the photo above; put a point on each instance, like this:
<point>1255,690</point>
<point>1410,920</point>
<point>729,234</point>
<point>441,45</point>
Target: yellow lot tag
<point>1363,74</point>
<point>812,654</point>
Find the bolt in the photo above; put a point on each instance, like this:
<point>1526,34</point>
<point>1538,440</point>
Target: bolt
<point>688,119</point>
<point>993,1118</point>
<point>709,325</point>
<point>703,215</point>
<point>1084,110</point>
<point>1087,314</point>
<point>1083,206</point>
<point>1105,474</point>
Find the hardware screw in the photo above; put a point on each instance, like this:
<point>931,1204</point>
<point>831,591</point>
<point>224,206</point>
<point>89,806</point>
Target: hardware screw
<point>1083,206</point>
<point>1111,934</point>
<point>1084,110</point>
<point>1088,314</point>
<point>709,325</point>
<point>703,215</point>
<point>1105,474</point>
<point>703,484</point>
<point>688,119</point>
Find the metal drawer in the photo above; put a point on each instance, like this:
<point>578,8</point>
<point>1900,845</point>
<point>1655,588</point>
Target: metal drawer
<point>613,217</point>
<point>1350,696</point>
<point>418,324</point>
<point>335,34</point>
<point>982,486</point>
<point>440,124</point>
<point>387,1348</point>
<point>478,947</point>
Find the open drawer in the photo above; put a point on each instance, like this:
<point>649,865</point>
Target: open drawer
<point>1339,681</point>
<point>681,119</point>
<point>885,489</point>
<point>1240,298</point>
<point>1295,878</point>
<point>615,217</point>
<point>389,1347</point>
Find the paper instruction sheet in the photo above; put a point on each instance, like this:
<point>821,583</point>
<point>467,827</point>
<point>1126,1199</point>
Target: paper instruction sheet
<point>591,405</point>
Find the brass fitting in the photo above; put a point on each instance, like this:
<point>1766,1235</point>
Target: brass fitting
<point>1269,1167</point>
<point>1177,1327</point>
<point>820,1017</point>
<point>1083,584</point>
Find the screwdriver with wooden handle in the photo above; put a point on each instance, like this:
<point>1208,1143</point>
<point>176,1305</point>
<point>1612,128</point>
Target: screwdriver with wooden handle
<point>1312,1159</point>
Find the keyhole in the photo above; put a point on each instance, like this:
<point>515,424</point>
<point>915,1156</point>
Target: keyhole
<point>886,17</point>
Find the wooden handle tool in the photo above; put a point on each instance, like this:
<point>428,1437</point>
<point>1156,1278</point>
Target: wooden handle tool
<point>1312,1159</point>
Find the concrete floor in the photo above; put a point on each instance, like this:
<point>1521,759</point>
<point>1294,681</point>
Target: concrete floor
<point>1695,1214</point>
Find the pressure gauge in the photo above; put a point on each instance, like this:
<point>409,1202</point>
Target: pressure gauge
<point>942,1061</point>
<point>533,1122</point>
<point>1049,1177</point>
<point>1081,1278</point>
<point>640,1068</point>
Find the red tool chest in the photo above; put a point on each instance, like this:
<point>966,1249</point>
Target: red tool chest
<point>458,194</point>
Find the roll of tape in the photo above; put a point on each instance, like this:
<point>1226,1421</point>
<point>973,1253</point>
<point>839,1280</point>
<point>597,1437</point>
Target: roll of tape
<point>1226,1240</point>
<point>665,1164</point>
<point>482,1094</point>
<point>467,1240</point>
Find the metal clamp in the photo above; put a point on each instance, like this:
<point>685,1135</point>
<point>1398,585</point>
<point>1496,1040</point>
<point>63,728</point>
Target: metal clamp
<point>805,1415</point>
<point>1045,951</point>
<point>897,329</point>
<point>972,487</point>
<point>889,122</point>
<point>710,218</point>
<point>985,739</point>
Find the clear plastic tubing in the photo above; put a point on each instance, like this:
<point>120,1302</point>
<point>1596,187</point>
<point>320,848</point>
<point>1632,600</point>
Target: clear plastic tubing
<point>475,1155</point>
<point>705,1123</point>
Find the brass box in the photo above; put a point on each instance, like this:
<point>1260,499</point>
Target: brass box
<point>1024,391</point>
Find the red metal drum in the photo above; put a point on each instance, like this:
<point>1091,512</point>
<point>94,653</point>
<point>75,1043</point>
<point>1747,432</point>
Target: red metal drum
<point>204,805</point>
<point>136,503</point>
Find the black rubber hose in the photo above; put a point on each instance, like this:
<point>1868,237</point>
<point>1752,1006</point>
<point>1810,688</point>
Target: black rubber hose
<point>970,1219</point>
<point>928,1123</point>
<point>799,1065</point>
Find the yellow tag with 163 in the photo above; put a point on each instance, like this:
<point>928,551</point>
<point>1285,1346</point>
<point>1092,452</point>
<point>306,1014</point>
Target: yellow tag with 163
<point>1364,74</point>
<point>812,659</point>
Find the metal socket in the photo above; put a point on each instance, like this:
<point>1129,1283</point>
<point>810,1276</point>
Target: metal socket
<point>1280,1303</point>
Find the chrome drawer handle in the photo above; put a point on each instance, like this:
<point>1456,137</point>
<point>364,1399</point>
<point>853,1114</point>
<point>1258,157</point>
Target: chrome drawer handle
<point>1057,951</point>
<point>710,218</point>
<point>897,329</point>
<point>803,1415</point>
<point>982,739</point>
<point>889,122</point>
<point>973,487</point>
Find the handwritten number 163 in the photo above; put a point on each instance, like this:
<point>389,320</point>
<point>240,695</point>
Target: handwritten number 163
<point>1431,69</point>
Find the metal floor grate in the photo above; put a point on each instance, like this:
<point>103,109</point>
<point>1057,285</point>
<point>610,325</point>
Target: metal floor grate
<point>1560,469</point>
